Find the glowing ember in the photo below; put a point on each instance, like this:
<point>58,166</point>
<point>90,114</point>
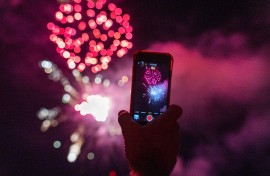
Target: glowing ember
<point>98,31</point>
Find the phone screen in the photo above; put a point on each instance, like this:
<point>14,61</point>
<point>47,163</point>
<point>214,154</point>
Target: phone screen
<point>151,86</point>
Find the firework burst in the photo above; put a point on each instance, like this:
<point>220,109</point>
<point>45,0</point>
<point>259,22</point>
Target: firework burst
<point>91,100</point>
<point>152,75</point>
<point>156,93</point>
<point>89,33</point>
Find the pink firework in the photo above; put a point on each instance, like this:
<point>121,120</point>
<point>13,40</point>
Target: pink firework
<point>152,76</point>
<point>90,32</point>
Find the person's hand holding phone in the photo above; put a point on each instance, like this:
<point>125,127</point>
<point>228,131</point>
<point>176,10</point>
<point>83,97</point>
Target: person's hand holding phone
<point>152,149</point>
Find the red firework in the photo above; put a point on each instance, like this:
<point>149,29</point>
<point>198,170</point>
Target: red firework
<point>89,33</point>
<point>152,76</point>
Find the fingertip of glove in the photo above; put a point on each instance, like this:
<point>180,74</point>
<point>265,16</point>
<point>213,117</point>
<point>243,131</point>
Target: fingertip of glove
<point>121,112</point>
<point>175,109</point>
<point>123,117</point>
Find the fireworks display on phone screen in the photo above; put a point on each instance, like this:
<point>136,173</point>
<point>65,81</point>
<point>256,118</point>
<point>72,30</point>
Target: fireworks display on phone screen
<point>156,91</point>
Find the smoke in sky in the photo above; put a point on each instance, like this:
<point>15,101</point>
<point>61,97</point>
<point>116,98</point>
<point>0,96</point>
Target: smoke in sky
<point>225,98</point>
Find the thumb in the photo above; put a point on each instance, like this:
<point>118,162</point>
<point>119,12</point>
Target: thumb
<point>124,118</point>
<point>126,123</point>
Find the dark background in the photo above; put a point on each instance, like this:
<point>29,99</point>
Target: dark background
<point>221,79</point>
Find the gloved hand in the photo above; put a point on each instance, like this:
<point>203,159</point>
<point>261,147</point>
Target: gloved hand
<point>151,149</point>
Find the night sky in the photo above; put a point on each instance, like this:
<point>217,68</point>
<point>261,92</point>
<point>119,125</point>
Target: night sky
<point>220,79</point>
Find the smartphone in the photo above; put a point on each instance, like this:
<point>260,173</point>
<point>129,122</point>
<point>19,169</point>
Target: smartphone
<point>151,84</point>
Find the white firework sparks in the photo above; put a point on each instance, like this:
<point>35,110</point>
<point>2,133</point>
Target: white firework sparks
<point>88,100</point>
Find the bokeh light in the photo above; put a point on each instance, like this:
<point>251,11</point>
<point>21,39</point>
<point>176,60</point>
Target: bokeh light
<point>92,33</point>
<point>90,156</point>
<point>57,144</point>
